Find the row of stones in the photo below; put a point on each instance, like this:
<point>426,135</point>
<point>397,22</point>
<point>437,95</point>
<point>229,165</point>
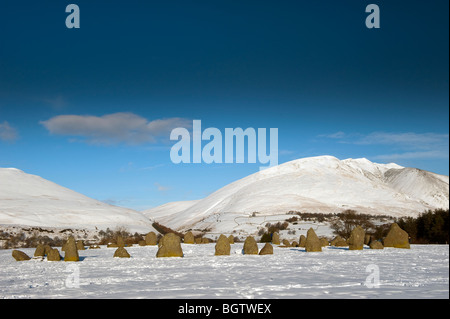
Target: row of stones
<point>170,245</point>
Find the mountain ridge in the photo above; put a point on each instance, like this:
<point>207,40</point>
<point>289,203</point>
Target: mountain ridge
<point>320,184</point>
<point>31,200</point>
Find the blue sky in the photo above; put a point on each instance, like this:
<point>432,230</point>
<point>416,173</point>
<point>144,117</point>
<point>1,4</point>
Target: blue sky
<point>134,69</point>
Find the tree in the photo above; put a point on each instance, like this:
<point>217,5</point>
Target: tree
<point>348,220</point>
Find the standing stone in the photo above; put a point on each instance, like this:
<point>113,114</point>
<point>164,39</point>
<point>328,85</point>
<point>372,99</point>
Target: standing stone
<point>286,243</point>
<point>266,250</point>
<point>338,241</point>
<point>312,241</point>
<point>397,237</point>
<point>375,244</point>
<point>223,246</point>
<point>302,241</point>
<point>53,255</point>
<point>231,239</point>
<point>40,251</point>
<point>120,242</point>
<point>170,246</point>
<point>71,252</point>
<point>324,242</point>
<point>80,245</point>
<point>198,240</point>
<point>356,240</point>
<point>189,238</point>
<point>121,252</point>
<point>142,243</point>
<point>151,239</point>
<point>250,246</point>
<point>275,238</point>
<point>20,255</point>
<point>47,249</point>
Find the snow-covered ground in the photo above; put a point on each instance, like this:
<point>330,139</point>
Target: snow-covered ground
<point>421,272</point>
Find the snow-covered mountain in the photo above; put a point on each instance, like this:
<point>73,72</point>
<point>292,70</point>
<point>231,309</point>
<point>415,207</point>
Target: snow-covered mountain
<point>321,184</point>
<point>33,201</point>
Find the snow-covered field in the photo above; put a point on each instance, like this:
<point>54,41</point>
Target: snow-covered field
<point>421,272</point>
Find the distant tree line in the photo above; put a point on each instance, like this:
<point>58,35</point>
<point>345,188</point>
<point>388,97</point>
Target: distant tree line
<point>430,227</point>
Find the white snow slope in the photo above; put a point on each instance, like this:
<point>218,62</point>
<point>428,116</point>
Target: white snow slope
<point>33,201</point>
<point>321,184</point>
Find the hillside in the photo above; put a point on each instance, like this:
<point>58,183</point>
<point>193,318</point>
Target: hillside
<point>321,184</point>
<point>33,201</point>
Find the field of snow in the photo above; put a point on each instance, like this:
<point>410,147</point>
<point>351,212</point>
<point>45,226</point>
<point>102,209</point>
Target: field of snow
<point>421,272</point>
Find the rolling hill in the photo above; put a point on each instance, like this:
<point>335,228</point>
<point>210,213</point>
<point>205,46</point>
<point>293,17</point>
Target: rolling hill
<point>33,201</point>
<point>321,184</point>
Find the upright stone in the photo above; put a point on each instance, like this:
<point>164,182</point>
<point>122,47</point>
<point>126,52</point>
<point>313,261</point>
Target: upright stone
<point>356,240</point>
<point>142,243</point>
<point>324,242</point>
<point>266,250</point>
<point>397,237</point>
<point>189,238</point>
<point>121,252</point>
<point>47,249</point>
<point>338,241</point>
<point>20,255</point>
<point>286,243</point>
<point>53,255</point>
<point>231,239</point>
<point>376,244</point>
<point>223,246</point>
<point>250,246</point>
<point>151,239</point>
<point>40,251</point>
<point>120,242</point>
<point>312,242</point>
<point>275,238</point>
<point>170,246</point>
<point>80,245</point>
<point>302,241</point>
<point>71,252</point>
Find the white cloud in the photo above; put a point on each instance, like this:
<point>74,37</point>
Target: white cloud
<point>337,135</point>
<point>161,188</point>
<point>7,132</point>
<point>404,146</point>
<point>114,128</point>
<point>415,140</point>
<point>435,154</point>
<point>57,102</point>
